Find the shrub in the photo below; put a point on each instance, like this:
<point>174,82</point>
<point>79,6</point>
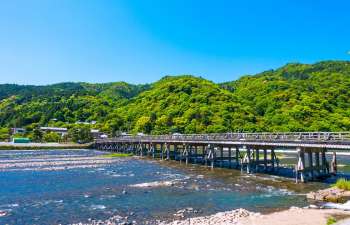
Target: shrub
<point>331,221</point>
<point>343,184</point>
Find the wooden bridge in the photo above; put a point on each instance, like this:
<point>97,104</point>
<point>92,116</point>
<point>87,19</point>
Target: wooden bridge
<point>251,152</point>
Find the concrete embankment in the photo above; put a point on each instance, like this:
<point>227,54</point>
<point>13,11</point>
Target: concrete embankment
<point>37,146</point>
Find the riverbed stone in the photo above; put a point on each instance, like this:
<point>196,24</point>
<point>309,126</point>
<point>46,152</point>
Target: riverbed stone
<point>332,194</point>
<point>229,217</point>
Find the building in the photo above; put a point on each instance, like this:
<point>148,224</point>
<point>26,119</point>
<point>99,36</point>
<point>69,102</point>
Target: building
<point>17,130</point>
<point>97,134</point>
<point>59,130</point>
<point>21,140</point>
<point>93,122</point>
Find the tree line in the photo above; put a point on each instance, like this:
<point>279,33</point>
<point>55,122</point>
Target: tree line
<point>295,97</point>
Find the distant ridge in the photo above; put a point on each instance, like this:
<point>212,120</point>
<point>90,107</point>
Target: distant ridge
<point>295,97</point>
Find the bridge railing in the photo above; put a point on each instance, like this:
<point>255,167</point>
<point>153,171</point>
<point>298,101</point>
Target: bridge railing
<point>290,136</point>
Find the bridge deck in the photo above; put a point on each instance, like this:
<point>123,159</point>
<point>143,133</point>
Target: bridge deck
<point>336,140</point>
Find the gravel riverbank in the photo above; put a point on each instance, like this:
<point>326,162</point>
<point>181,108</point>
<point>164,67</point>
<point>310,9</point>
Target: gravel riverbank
<point>293,216</point>
<point>54,163</point>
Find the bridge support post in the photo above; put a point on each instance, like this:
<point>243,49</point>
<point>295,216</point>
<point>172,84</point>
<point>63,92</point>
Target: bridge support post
<point>153,150</point>
<point>194,154</point>
<point>229,157</point>
<point>221,156</point>
<point>205,154</point>
<point>162,151</point>
<point>167,150</point>
<point>325,166</point>
<point>237,157</point>
<point>273,159</point>
<point>317,163</point>
<point>257,152</point>
<point>334,163</point>
<point>186,153</point>
<point>311,166</point>
<point>300,167</point>
<point>149,150</point>
<point>211,155</point>
<point>175,152</point>
<point>265,159</point>
<point>248,159</point>
<point>140,149</point>
<point>181,154</point>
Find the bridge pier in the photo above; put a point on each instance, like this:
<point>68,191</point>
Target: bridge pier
<point>229,157</point>
<point>301,165</point>
<point>265,159</point>
<point>311,167</point>
<point>237,157</point>
<point>247,160</point>
<point>317,164</point>
<point>257,160</point>
<point>273,159</point>
<point>211,155</point>
<point>162,151</point>
<point>204,154</point>
<point>221,155</point>
<point>325,167</point>
<point>153,150</point>
<point>334,164</point>
<point>315,169</point>
<point>195,154</point>
<point>186,153</point>
<point>167,150</point>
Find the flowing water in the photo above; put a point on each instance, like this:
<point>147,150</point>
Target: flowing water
<point>71,186</point>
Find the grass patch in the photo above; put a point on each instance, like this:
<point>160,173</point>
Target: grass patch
<point>331,220</point>
<point>342,184</point>
<point>114,155</point>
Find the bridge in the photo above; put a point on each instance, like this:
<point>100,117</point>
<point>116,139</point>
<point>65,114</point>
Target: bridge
<point>251,152</point>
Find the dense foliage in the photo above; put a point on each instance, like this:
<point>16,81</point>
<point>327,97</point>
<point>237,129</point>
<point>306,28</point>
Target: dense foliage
<point>296,97</point>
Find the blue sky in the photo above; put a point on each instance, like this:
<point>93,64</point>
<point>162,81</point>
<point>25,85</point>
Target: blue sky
<point>50,41</point>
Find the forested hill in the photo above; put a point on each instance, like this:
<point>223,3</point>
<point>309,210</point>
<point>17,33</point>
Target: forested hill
<point>296,97</point>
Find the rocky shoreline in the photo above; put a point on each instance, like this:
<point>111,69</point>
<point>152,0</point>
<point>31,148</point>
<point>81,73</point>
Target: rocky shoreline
<point>292,216</point>
<point>221,218</point>
<point>332,194</point>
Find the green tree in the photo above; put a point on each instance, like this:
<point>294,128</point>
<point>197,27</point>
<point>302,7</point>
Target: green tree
<point>4,134</point>
<point>38,135</point>
<point>80,135</point>
<point>144,124</point>
<point>51,137</point>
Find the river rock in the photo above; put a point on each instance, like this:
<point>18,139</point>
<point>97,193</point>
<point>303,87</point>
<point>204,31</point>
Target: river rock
<point>3,213</point>
<point>332,194</point>
<point>221,218</point>
<point>313,207</point>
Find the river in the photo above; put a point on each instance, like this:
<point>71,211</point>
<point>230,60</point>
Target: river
<point>72,186</point>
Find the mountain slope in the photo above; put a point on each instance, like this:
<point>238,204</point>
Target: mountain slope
<point>64,102</point>
<point>184,104</point>
<point>296,97</point>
